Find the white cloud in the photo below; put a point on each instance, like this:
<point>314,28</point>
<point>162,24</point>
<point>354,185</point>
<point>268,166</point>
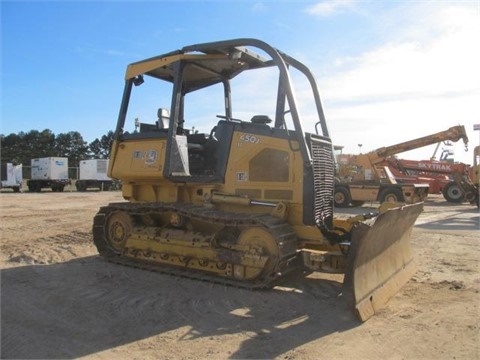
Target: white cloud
<point>330,7</point>
<point>425,78</point>
<point>259,7</point>
<point>114,52</point>
<point>445,63</point>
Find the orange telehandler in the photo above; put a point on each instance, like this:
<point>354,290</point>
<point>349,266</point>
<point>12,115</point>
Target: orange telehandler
<point>367,177</point>
<point>453,180</point>
<point>476,173</point>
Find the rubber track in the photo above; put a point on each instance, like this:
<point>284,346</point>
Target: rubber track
<point>282,232</point>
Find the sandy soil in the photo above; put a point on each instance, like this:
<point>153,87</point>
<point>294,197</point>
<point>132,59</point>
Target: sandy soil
<point>59,299</point>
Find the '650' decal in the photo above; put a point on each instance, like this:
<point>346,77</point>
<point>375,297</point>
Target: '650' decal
<point>249,138</point>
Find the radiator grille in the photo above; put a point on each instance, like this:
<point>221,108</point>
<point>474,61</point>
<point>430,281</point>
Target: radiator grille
<point>323,182</point>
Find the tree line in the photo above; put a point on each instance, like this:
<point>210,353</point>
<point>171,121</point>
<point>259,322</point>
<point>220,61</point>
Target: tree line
<point>20,148</point>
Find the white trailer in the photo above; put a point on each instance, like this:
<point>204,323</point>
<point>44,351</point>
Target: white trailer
<point>93,174</point>
<point>11,176</point>
<point>49,172</point>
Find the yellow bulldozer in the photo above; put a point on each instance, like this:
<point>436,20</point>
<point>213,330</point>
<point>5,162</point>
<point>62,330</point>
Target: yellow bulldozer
<point>244,200</point>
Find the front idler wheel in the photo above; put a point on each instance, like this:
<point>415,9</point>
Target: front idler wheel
<point>257,243</point>
<point>119,228</point>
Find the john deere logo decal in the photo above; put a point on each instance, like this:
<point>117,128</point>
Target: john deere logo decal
<point>151,157</point>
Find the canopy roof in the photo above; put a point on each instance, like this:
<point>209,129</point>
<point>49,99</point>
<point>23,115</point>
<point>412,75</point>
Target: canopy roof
<point>205,66</point>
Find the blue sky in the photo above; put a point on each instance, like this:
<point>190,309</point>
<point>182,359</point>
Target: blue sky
<point>388,71</point>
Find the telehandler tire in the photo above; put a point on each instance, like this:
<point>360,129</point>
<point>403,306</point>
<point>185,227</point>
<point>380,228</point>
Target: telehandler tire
<point>391,195</point>
<point>342,197</point>
<point>452,193</point>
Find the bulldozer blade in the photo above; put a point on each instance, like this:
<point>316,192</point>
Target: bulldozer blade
<point>380,260</point>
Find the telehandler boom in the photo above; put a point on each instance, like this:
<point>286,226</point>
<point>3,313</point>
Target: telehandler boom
<point>243,200</point>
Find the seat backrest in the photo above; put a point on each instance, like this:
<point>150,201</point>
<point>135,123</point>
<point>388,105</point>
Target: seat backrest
<point>261,119</point>
<point>163,118</point>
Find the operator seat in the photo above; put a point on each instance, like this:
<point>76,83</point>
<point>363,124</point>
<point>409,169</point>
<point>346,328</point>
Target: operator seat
<point>163,118</point>
<point>261,119</point>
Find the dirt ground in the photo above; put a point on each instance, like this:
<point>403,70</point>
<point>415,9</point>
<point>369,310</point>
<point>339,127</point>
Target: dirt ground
<point>59,299</point>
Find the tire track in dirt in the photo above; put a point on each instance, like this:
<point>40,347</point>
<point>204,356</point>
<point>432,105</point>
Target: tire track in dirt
<point>90,301</point>
<point>49,249</point>
<point>78,305</point>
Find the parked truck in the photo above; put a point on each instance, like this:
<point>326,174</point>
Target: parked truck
<point>11,175</point>
<point>365,177</point>
<point>93,174</point>
<point>49,172</point>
